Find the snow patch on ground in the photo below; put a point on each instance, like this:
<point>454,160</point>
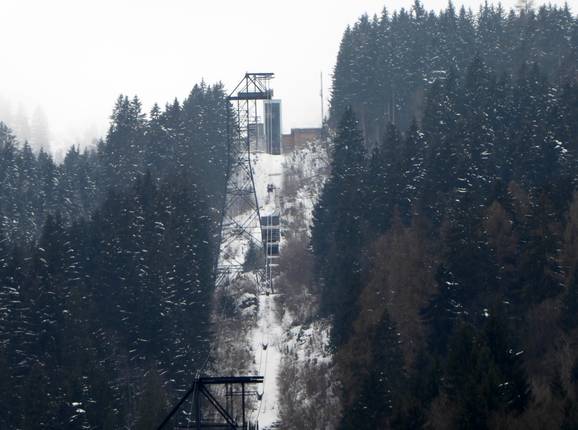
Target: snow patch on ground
<point>267,169</point>
<point>305,173</point>
<point>307,343</point>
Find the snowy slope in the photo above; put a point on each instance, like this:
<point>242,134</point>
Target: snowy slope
<point>298,178</point>
<point>267,169</point>
<point>267,342</point>
<point>308,391</point>
<point>287,184</point>
<point>267,336</point>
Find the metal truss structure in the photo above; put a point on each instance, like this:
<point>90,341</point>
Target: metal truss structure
<point>241,219</point>
<point>213,405</point>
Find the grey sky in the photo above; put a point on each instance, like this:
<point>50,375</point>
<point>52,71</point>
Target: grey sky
<point>74,57</point>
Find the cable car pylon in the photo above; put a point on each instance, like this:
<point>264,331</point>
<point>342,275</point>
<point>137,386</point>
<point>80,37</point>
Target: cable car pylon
<point>241,220</point>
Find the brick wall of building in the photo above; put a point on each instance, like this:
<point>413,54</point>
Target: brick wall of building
<point>299,137</point>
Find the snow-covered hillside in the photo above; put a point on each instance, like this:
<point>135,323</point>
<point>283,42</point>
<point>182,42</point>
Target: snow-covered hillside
<point>290,346</point>
<point>266,337</point>
<point>264,334</point>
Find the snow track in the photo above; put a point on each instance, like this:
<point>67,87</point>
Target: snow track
<point>267,336</point>
<point>267,340</point>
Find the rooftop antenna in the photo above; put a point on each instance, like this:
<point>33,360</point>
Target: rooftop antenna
<point>322,102</point>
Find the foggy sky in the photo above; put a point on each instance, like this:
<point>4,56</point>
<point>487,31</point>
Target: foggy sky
<point>74,57</point>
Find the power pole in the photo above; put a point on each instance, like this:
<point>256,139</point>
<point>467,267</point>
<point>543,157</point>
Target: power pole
<point>322,108</point>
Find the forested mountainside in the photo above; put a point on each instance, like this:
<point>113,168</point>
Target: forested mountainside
<point>386,63</point>
<point>188,137</point>
<point>446,252</point>
<point>105,267</point>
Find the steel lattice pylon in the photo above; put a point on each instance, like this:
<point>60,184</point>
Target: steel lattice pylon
<point>241,220</point>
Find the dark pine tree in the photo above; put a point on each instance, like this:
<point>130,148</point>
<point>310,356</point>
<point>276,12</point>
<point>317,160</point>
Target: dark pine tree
<point>336,234</point>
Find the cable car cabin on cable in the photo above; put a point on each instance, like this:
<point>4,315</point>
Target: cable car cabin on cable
<point>270,230</point>
<point>271,220</point>
<point>271,235</point>
<point>272,250</point>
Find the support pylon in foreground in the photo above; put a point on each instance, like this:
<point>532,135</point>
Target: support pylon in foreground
<point>213,404</point>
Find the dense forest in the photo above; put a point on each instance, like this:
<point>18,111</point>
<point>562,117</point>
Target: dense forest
<point>440,275</point>
<point>386,63</point>
<point>446,237</point>
<point>106,266</point>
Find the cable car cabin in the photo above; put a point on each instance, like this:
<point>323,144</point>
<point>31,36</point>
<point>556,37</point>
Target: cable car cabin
<point>272,249</point>
<point>270,220</point>
<point>269,235</point>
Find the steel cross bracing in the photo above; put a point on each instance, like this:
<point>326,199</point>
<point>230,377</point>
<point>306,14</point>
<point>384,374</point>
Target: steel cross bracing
<point>241,220</point>
<point>213,404</point>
